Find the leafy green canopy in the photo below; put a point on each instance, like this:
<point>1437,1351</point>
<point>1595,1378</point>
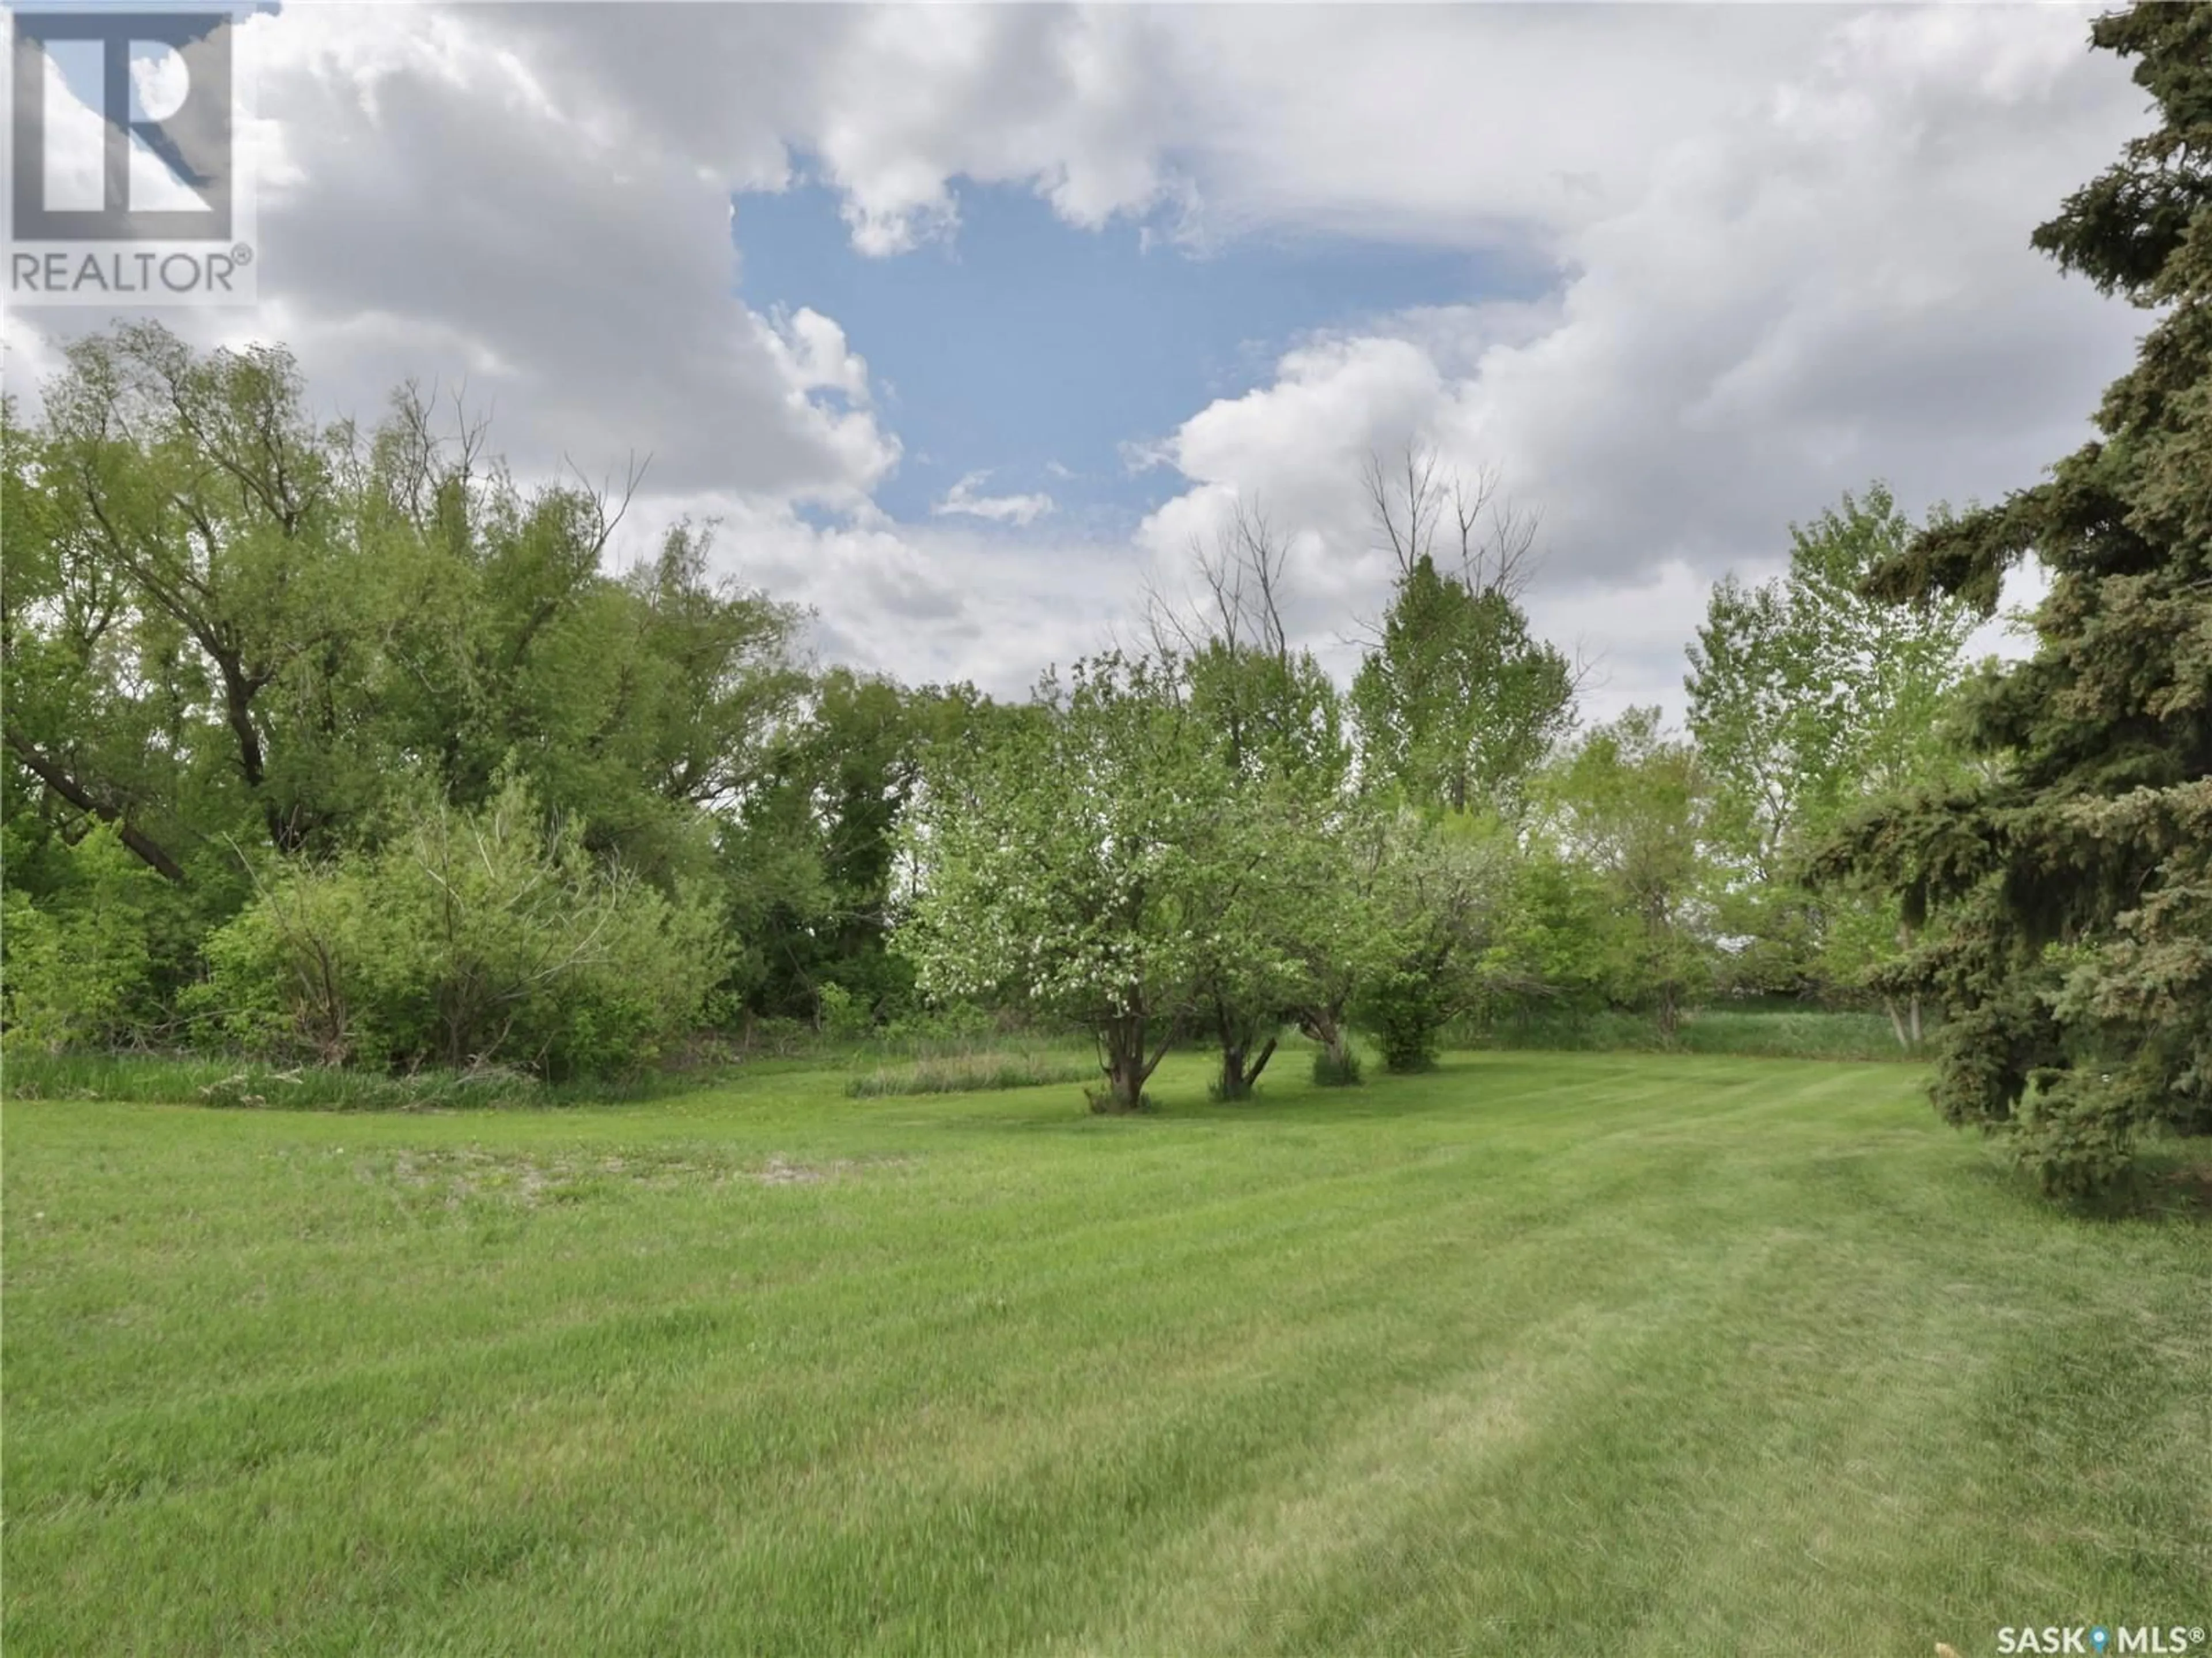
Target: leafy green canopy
<point>1079,861</point>
<point>238,645</point>
<point>1627,805</point>
<point>2078,877</point>
<point>1273,721</point>
<point>1807,699</point>
<point>225,625</point>
<point>811,856</point>
<point>1458,702</point>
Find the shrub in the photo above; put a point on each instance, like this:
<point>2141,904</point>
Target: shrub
<point>78,966</point>
<point>473,939</point>
<point>778,1037</point>
<point>1404,1010</point>
<point>1340,1069</point>
<point>843,1016</point>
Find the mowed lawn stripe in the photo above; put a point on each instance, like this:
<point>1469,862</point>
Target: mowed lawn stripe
<point>1562,1353</point>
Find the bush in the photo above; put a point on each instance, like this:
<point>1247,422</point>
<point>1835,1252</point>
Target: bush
<point>843,1016</point>
<point>78,966</point>
<point>1337,1070</point>
<point>1404,1011</point>
<point>472,940</point>
<point>778,1037</point>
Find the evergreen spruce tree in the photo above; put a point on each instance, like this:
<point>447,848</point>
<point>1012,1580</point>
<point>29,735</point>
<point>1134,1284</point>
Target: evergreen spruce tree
<point>2078,873</point>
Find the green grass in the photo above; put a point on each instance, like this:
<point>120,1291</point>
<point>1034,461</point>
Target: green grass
<point>972,1073</point>
<point>1538,1354</point>
<point>1769,1033</point>
<point>192,1080</point>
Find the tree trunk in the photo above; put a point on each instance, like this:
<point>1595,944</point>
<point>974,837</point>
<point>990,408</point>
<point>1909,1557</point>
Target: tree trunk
<point>1124,1060</point>
<point>1125,1084</point>
<point>1236,1081</point>
<point>1896,1022</point>
<point>1908,1034</point>
<point>1326,1025</point>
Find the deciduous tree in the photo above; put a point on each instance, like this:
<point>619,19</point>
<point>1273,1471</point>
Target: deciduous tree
<point>1629,804</point>
<point>1457,702</point>
<point>1079,864</point>
<point>1807,699</point>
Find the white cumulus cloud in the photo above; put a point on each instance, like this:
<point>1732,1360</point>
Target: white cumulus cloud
<point>962,500</point>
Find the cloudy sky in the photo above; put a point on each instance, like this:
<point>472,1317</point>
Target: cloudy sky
<point>965,322</point>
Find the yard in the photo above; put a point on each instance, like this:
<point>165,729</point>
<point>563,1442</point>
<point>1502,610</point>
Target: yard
<point>1539,1354</point>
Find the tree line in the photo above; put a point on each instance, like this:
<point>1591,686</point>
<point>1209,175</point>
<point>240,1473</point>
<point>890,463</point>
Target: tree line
<point>345,739</point>
<point>334,742</point>
<point>342,744</point>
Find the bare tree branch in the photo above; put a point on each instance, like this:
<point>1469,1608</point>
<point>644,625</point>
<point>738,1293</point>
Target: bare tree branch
<point>1243,577</point>
<point>605,522</point>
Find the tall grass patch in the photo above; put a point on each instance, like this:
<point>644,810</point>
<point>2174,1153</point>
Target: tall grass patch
<point>973,1073</point>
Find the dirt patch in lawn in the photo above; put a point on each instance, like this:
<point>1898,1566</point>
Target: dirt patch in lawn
<point>461,1175</point>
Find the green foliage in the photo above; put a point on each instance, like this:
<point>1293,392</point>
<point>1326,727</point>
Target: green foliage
<point>1552,945</point>
<point>1430,901</point>
<point>224,626</point>
<point>975,1072</point>
<point>78,966</point>
<point>1272,713</point>
<point>1807,699</point>
<point>1338,1067</point>
<point>1807,696</point>
<point>2073,875</point>
<point>843,1015</point>
<point>1458,702</point>
<point>1274,722</point>
<point>1404,1009</point>
<point>1074,862</point>
<point>1628,803</point>
<point>812,858</point>
<point>472,939</point>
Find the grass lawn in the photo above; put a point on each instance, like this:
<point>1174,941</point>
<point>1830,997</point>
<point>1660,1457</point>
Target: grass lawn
<point>1542,1354</point>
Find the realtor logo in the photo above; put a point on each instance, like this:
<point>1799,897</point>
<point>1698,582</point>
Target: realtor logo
<point>124,185</point>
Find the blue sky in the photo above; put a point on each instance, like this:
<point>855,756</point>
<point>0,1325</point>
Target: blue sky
<point>1025,341</point>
